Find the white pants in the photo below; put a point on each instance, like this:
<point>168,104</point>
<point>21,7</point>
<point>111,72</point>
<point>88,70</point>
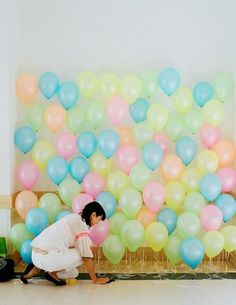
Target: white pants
<point>63,262</point>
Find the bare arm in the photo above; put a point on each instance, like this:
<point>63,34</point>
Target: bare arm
<point>88,262</point>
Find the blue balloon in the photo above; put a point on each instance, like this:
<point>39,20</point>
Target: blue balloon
<point>108,202</point>
<point>186,149</point>
<point>226,203</point>
<point>168,218</point>
<point>62,214</point>
<point>169,80</point>
<point>24,138</point>
<point>49,84</point>
<point>108,142</point>
<point>79,168</point>
<point>57,169</point>
<point>26,251</point>
<point>202,93</point>
<point>210,186</point>
<point>68,94</point>
<point>192,252</point>
<point>36,221</point>
<point>87,143</point>
<point>152,155</point>
<point>138,110</point>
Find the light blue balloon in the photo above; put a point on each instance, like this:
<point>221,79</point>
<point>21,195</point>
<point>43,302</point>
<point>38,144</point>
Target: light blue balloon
<point>49,84</point>
<point>210,186</point>
<point>192,252</point>
<point>168,218</point>
<point>152,155</point>
<point>26,251</point>
<point>62,214</point>
<point>169,80</point>
<point>138,110</point>
<point>68,94</point>
<point>202,93</point>
<point>87,143</point>
<point>108,142</point>
<point>24,138</point>
<point>79,168</point>
<point>186,149</point>
<point>57,169</point>
<point>108,202</point>
<point>227,204</point>
<point>36,221</point>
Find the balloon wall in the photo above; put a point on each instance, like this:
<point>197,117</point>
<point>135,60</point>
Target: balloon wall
<point>149,148</point>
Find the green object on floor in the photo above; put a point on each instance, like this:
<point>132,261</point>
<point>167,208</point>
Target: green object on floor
<point>3,247</point>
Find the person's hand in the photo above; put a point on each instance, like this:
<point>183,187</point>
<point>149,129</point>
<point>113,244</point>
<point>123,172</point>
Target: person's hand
<point>101,280</point>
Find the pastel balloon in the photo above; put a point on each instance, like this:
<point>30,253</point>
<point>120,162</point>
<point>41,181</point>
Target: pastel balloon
<point>130,202</point>
<point>55,117</point>
<point>117,221</point>
<point>226,203</point>
<point>145,217</point>
<point>42,152</point>
<point>66,145</point>
<point>174,127</point>
<point>93,184</point>
<point>35,116</point>
<point>117,181</point>
<point>19,234</point>
<point>49,84</point>
<point>95,115</point>
<point>171,167</point>
<point>194,202</point>
<point>162,139</point>
<point>108,202</point>
<point>140,175</point>
<point>132,234</point>
<point>26,251</point>
<point>80,201</point>
<point>156,236</point>
<point>227,177</point>
<point>99,232</point>
<point>125,134</point>
<point>188,224</point>
<point>224,86</point>
<point>127,157</point>
<point>108,142</point>
<point>143,133</point>
<point>152,155</point>
<point>174,195</point>
<point>100,164</point>
<point>62,214</point>
<point>51,204</point>
<point>193,120</point>
<point>24,139</point>
<point>138,110</point>
<point>109,85</point>
<point>68,94</point>
<point>79,168</point>
<point>213,243</point>
<point>225,151</point>
<point>36,221</point>
<point>25,201</point>
<point>213,112</point>
<point>186,149</point>
<point>28,174</point>
<point>76,119</point>
<point>190,179</point>
<point>210,186</point>
<point>87,143</point>
<point>209,135</point>
<point>153,196</point>
<point>229,234</point>
<point>26,88</point>
<point>182,99</point>
<point>168,218</point>
<point>192,252</point>
<point>207,161</point>
<point>202,93</point>
<point>211,217</point>
<point>88,83</point>
<point>169,80</point>
<point>113,249</point>
<point>130,88</point>
<point>57,169</point>
<point>117,109</point>
<point>149,81</point>
<point>157,116</point>
<point>68,189</point>
<point>172,249</point>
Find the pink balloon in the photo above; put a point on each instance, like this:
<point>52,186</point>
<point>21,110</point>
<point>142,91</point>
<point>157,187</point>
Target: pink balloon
<point>153,196</point>
<point>28,174</point>
<point>127,157</point>
<point>93,184</point>
<point>80,201</point>
<point>117,109</point>
<point>211,217</point>
<point>228,179</point>
<point>162,139</point>
<point>66,145</point>
<point>99,232</point>
<point>210,135</point>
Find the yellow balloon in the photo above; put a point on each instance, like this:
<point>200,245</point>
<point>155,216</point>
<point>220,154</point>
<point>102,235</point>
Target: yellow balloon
<point>131,88</point>
<point>117,182</point>
<point>183,100</point>
<point>207,161</point>
<point>87,83</point>
<point>149,81</point>
<point>100,164</point>
<point>157,116</point>
<point>156,235</point>
<point>213,112</point>
<point>95,115</point>
<point>229,234</point>
<point>190,179</point>
<point>42,151</point>
<point>213,243</point>
<point>175,194</point>
<point>109,85</point>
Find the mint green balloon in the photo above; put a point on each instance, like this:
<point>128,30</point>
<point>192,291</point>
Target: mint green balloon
<point>35,116</point>
<point>95,114</point>
<point>172,248</point>
<point>143,133</point>
<point>76,119</point>
<point>157,116</point>
<point>188,225</point>
<point>175,127</point>
<point>194,202</point>
<point>149,80</point>
<point>51,204</point>
<point>193,120</point>
<point>182,99</point>
<point>140,175</point>
<point>224,86</point>
<point>113,249</point>
<point>19,234</point>
<point>68,189</point>
<point>132,234</point>
<point>116,222</point>
<point>130,202</point>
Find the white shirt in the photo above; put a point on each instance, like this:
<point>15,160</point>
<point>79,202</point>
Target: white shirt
<point>69,232</point>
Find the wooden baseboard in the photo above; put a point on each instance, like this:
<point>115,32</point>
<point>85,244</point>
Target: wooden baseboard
<point>5,201</point>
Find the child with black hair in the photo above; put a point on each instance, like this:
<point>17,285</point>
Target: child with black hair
<point>64,245</point>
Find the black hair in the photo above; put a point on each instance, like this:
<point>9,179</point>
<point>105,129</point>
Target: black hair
<point>90,208</point>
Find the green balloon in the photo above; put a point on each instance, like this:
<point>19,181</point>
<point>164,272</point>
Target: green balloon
<point>51,204</point>
<point>19,234</point>
<point>132,234</point>
<point>213,112</point>
<point>224,86</point>
<point>194,202</point>
<point>76,119</point>
<point>143,133</point>
<point>95,114</point>
<point>193,120</point>
<point>188,225</point>
<point>35,116</point>
<point>175,127</point>
<point>116,222</point>
<point>172,248</point>
<point>130,202</point>
<point>68,189</point>
<point>140,175</point>
<point>113,249</point>
<point>149,81</point>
